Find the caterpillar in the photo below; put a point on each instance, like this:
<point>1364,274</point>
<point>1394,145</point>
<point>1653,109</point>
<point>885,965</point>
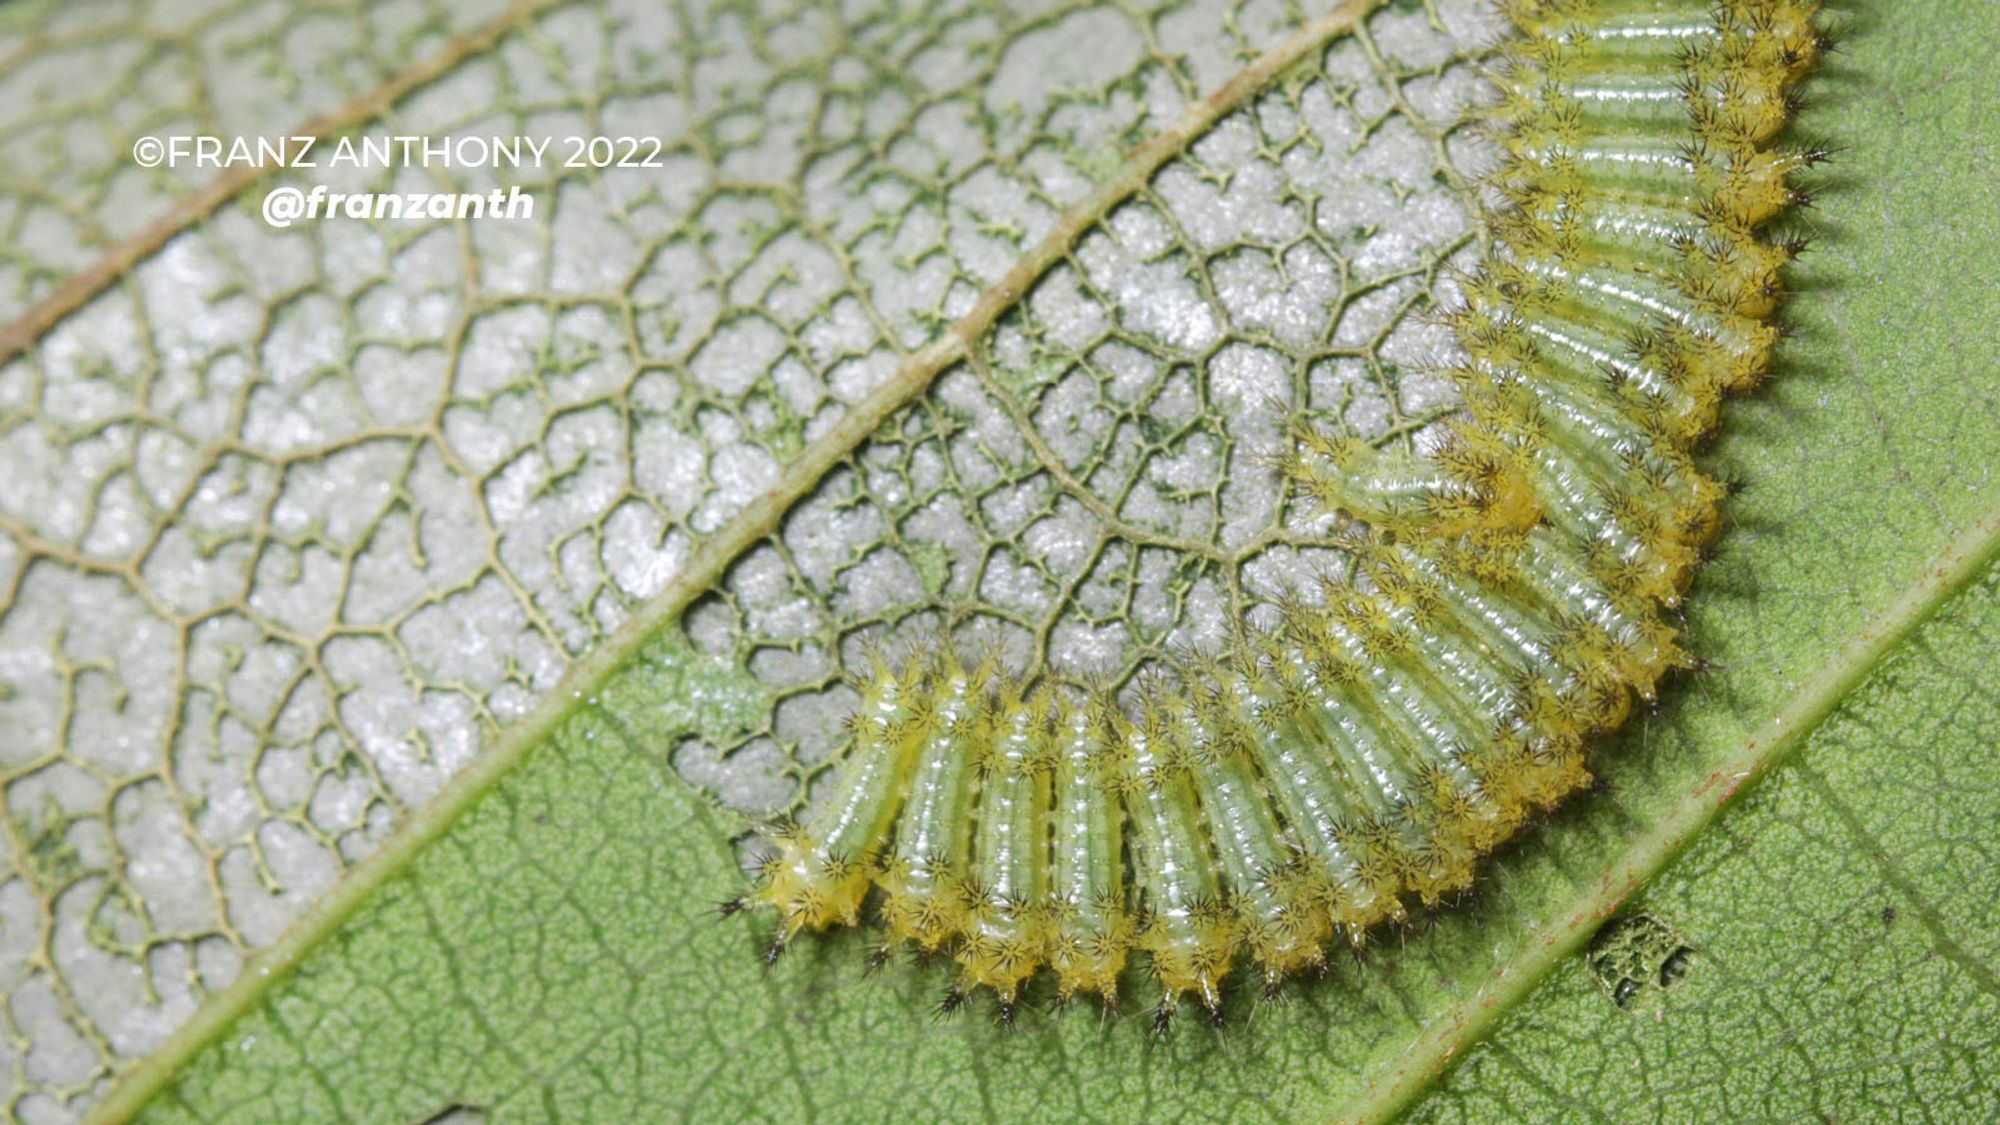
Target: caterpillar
<point>1507,603</point>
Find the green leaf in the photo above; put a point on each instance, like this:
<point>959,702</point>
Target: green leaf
<point>1049,475</point>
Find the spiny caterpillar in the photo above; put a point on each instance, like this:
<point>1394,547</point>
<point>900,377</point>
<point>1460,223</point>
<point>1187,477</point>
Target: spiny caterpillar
<point>1507,602</point>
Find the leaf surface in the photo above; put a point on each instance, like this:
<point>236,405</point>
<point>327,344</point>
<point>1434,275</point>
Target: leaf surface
<point>881,428</point>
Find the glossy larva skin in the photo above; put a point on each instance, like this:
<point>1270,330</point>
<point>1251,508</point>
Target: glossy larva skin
<point>1090,925</point>
<point>1507,602</point>
<point>1006,933</point>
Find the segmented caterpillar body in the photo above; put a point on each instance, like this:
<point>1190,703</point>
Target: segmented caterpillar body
<point>1506,605</point>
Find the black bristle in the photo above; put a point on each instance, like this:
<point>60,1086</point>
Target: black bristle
<point>954,998</point>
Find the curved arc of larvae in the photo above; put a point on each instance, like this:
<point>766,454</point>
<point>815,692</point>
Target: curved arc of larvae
<point>1510,582</point>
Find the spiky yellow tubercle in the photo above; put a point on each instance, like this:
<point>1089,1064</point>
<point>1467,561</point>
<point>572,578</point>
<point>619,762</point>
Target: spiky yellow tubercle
<point>1510,599</point>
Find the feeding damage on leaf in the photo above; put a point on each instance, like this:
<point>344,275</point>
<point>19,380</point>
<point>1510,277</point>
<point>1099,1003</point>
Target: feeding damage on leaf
<point>1509,597</point>
<point>1637,953</point>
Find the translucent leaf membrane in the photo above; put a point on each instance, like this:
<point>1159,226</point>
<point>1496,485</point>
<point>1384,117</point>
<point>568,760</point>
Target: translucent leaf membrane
<point>1504,600</point>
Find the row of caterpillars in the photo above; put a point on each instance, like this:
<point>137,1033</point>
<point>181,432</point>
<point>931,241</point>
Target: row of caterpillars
<point>1300,787</point>
<point>1506,603</point>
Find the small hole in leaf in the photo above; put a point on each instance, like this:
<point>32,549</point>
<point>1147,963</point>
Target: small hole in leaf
<point>1636,952</point>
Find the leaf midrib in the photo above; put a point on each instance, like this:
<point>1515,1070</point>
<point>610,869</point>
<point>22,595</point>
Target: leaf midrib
<point>704,566</point>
